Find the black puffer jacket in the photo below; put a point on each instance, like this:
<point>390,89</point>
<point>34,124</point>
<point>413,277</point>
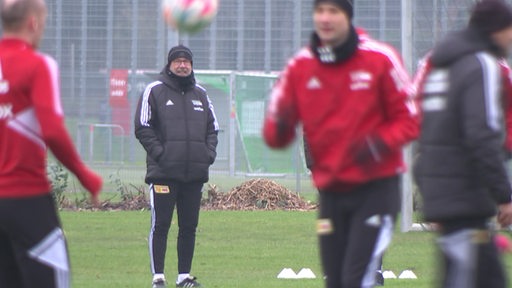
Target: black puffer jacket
<point>460,170</point>
<point>178,129</point>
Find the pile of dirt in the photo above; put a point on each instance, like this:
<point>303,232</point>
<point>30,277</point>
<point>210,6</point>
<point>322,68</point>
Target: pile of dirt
<point>255,194</point>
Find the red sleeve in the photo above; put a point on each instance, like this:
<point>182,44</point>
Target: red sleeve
<point>400,108</point>
<point>424,67</point>
<point>46,99</point>
<point>282,116</point>
<point>507,100</point>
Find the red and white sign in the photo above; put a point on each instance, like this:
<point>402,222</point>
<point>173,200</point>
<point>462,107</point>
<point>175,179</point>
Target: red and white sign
<point>118,99</point>
<point>118,88</point>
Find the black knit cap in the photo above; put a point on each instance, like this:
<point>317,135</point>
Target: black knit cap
<point>491,16</point>
<point>345,5</point>
<point>179,51</point>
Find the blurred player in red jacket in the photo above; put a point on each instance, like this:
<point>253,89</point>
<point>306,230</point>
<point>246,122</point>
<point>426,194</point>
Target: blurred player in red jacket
<point>507,98</point>
<point>351,94</point>
<point>33,251</point>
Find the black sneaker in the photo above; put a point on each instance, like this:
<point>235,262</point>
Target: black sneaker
<point>379,279</point>
<point>189,282</point>
<point>159,283</point>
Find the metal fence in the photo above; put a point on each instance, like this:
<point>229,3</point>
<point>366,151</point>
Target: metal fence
<point>108,49</point>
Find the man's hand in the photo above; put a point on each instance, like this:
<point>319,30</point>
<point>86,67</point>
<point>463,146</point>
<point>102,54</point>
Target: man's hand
<point>95,201</point>
<point>505,214</point>
<point>93,183</point>
<point>369,150</point>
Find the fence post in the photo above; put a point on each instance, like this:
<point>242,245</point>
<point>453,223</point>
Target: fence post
<point>232,124</point>
<point>407,186</point>
<point>92,127</point>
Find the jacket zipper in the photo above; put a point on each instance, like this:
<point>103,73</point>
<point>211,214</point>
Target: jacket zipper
<point>187,136</point>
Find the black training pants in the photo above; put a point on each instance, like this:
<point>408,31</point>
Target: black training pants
<point>33,252</point>
<point>470,258</point>
<point>354,229</point>
<point>187,199</point>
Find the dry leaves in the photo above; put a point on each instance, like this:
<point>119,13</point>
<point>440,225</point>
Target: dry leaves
<point>255,194</point>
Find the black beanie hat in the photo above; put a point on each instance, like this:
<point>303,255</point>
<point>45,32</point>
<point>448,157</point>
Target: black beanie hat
<point>179,51</point>
<point>345,5</point>
<point>490,16</point>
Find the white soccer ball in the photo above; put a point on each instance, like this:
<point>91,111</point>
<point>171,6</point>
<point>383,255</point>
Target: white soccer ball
<point>189,16</point>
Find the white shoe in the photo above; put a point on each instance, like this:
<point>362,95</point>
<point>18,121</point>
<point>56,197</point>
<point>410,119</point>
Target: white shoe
<point>159,283</point>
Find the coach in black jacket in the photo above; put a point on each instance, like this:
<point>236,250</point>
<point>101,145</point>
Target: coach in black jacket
<point>176,124</point>
<point>460,170</point>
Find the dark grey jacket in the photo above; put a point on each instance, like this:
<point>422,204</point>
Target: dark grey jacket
<point>178,129</point>
<point>460,170</point>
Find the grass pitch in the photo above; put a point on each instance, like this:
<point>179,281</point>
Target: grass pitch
<point>234,249</point>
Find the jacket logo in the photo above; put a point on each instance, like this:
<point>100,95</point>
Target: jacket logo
<point>314,84</point>
<point>434,103</point>
<point>437,82</point>
<point>198,105</point>
<point>169,103</point>
<point>162,189</point>
<point>435,87</point>
<point>360,80</point>
<point>324,226</point>
<point>6,111</point>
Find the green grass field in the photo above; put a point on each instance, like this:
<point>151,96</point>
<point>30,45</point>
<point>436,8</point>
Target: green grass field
<point>234,249</point>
